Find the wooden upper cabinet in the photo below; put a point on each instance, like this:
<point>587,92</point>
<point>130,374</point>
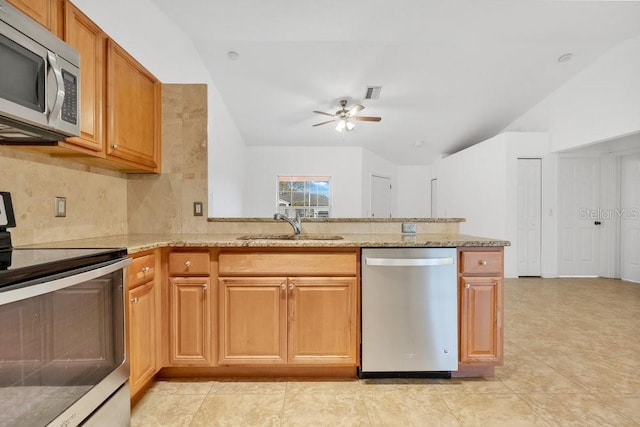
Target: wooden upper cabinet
<point>47,13</point>
<point>81,33</point>
<point>133,111</point>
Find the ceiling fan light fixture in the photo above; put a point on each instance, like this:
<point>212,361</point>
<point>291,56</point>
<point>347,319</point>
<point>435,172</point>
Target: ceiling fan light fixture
<point>344,124</point>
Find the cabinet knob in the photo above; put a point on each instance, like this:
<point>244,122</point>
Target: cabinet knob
<point>204,286</point>
<point>283,286</point>
<point>187,263</point>
<point>483,262</point>
<point>114,146</point>
<point>134,300</point>
<point>146,269</point>
<point>467,285</point>
<point>291,286</point>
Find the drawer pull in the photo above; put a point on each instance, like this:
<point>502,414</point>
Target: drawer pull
<point>483,263</point>
<point>187,263</point>
<point>146,269</point>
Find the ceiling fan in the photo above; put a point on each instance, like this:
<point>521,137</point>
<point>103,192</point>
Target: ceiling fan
<point>344,117</point>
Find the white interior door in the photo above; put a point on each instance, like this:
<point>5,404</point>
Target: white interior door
<point>630,220</point>
<point>380,197</point>
<point>579,202</point>
<point>529,216</point>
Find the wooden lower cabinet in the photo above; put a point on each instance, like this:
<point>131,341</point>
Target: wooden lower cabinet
<point>294,321</point>
<point>480,299</point>
<point>322,320</point>
<point>190,321</point>
<point>253,322</point>
<point>142,335</point>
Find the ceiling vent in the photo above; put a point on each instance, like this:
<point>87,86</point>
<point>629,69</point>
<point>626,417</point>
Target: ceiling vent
<point>373,92</point>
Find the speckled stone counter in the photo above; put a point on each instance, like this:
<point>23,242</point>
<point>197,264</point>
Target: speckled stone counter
<point>140,242</point>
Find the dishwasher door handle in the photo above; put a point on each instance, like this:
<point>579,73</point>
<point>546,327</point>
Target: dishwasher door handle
<point>408,262</point>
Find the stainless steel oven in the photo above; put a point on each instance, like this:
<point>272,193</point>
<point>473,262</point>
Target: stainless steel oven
<point>62,338</point>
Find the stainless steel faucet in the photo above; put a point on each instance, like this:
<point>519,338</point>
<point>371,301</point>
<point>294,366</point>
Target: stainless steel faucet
<point>295,223</point>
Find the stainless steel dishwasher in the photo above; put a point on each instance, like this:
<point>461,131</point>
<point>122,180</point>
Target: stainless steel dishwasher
<point>409,312</point>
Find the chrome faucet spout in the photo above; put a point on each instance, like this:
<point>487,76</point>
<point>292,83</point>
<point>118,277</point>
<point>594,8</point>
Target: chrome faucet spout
<point>295,223</point>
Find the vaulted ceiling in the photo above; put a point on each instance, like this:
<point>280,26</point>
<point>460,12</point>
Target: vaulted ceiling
<point>453,73</point>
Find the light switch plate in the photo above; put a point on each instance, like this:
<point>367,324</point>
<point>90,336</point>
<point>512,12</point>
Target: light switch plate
<point>197,209</point>
<point>409,227</point>
<point>60,207</point>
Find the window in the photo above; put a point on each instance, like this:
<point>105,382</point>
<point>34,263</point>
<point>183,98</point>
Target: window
<point>306,196</point>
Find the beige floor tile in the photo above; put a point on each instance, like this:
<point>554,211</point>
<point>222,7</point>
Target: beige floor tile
<point>404,385</point>
<point>312,387</point>
<point>243,386</point>
<point>406,409</point>
<point>239,410</point>
<point>539,377</point>
<point>627,404</point>
<point>310,409</point>
<point>180,386</point>
<point>492,410</point>
<point>581,410</point>
<point>157,410</point>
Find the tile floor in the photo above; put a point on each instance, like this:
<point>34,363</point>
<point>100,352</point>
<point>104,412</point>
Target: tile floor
<point>572,358</point>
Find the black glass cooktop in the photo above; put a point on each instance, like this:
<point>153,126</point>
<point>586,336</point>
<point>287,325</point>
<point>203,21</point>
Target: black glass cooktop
<point>26,265</point>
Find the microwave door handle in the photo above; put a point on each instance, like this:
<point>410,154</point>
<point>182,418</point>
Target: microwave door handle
<point>59,98</point>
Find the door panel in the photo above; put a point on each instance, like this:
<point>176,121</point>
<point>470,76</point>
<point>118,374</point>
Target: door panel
<point>579,236</point>
<point>529,216</point>
<point>380,197</point>
<point>630,220</point>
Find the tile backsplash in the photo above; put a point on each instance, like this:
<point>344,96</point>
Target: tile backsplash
<point>105,203</point>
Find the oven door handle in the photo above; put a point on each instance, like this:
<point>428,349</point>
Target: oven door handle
<point>63,282</point>
<point>408,262</point>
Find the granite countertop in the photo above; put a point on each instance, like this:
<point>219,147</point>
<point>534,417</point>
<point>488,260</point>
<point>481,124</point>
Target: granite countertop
<point>141,242</point>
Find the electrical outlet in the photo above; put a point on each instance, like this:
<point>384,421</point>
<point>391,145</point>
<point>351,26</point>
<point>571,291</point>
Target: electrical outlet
<point>197,209</point>
<point>60,207</point>
<point>409,227</point>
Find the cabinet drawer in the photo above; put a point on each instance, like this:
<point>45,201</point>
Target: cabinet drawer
<point>189,263</point>
<point>481,262</point>
<point>142,269</point>
<point>288,264</point>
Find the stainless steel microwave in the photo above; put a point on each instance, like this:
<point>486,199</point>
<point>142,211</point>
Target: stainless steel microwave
<point>39,82</point>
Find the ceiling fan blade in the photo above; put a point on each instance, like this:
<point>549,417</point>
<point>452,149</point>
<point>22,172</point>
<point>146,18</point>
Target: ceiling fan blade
<point>366,119</point>
<point>324,123</point>
<point>354,110</point>
<point>326,114</point>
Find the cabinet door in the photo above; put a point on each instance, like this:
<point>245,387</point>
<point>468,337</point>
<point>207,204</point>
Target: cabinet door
<point>142,335</point>
<point>133,111</point>
<point>44,12</point>
<point>81,33</point>
<point>190,320</point>
<point>253,321</point>
<point>480,319</point>
<point>322,321</point>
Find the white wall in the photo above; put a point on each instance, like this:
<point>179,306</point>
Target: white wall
<point>600,103</point>
<point>414,191</point>
<point>163,48</point>
<point>480,184</point>
<point>372,164</point>
<point>264,164</point>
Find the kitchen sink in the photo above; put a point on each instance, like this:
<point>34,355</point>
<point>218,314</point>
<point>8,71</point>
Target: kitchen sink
<point>290,237</point>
